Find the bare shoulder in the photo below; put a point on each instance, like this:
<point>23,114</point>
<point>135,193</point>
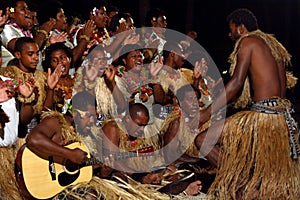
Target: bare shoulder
<point>251,41</point>
<point>51,123</point>
<point>110,127</point>
<point>48,126</point>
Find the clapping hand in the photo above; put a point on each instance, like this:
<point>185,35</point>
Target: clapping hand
<point>6,92</point>
<point>61,37</point>
<point>155,67</point>
<point>91,69</point>
<point>53,78</point>
<point>200,68</point>
<point>4,17</point>
<point>27,88</point>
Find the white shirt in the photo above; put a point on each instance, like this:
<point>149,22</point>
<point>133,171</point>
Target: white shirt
<point>11,127</point>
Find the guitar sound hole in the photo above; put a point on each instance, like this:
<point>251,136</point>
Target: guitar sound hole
<point>71,167</point>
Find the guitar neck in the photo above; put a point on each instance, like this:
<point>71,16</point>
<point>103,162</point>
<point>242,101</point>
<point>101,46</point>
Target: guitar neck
<point>116,156</point>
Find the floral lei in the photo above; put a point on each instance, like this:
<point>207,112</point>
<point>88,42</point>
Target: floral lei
<point>143,84</point>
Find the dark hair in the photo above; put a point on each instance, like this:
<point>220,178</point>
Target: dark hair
<point>135,108</point>
<point>112,8</point>
<point>115,20</point>
<point>54,47</point>
<point>82,100</point>
<point>180,94</point>
<point>169,46</point>
<point>89,5</point>
<point>126,50</point>
<point>48,9</point>
<point>9,3</point>
<point>21,41</point>
<point>153,13</point>
<point>245,17</point>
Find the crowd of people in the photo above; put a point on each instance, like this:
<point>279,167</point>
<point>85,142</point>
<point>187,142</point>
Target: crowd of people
<point>96,108</point>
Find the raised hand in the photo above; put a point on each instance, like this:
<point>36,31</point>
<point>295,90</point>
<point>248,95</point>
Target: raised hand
<point>110,73</point>
<point>27,88</point>
<point>61,37</point>
<point>91,69</point>
<point>88,28</point>
<point>197,67</point>
<point>200,68</point>
<point>131,39</point>
<point>155,67</point>
<point>53,78</point>
<point>4,17</point>
<point>47,26</point>
<point>6,92</point>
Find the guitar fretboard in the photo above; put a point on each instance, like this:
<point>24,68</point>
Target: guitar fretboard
<point>116,156</point>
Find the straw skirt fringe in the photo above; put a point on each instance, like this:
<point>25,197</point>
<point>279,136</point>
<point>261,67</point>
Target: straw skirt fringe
<point>255,156</point>
<point>8,185</point>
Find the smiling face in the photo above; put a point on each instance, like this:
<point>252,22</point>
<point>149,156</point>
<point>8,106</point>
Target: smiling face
<point>97,58</point>
<point>59,58</point>
<point>61,21</point>
<point>22,15</point>
<point>134,61</point>
<point>100,17</point>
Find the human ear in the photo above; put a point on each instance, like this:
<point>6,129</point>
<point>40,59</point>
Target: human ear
<point>17,54</point>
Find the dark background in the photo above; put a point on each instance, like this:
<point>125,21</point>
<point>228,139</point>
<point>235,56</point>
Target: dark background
<point>208,19</point>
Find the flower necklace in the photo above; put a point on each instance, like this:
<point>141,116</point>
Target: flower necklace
<point>66,85</point>
<point>101,37</point>
<point>26,33</point>
<point>143,87</point>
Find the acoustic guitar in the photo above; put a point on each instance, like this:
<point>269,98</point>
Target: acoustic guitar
<point>45,176</point>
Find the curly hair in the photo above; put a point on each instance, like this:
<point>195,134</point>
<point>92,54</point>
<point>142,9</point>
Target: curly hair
<point>245,17</point>
<point>54,47</point>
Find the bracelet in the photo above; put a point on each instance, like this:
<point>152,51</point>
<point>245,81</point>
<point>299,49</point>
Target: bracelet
<point>28,100</point>
<point>184,192</point>
<point>85,37</point>
<point>43,32</point>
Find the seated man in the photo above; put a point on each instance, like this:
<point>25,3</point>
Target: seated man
<point>127,136</point>
<point>56,138</point>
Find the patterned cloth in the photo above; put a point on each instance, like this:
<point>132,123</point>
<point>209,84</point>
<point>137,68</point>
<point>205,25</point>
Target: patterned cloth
<point>267,106</point>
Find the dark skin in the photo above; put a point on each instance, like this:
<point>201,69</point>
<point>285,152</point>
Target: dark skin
<point>28,61</point>
<point>189,107</point>
<point>267,78</point>
<point>134,126</point>
<point>46,138</point>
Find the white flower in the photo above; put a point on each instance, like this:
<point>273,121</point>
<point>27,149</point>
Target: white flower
<point>122,20</point>
<point>95,11</point>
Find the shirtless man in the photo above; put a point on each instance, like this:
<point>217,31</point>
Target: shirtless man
<point>256,142</point>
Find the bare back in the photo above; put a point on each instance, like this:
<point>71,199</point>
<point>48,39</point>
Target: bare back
<point>267,77</point>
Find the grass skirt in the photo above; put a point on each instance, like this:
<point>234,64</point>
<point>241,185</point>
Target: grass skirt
<point>8,184</point>
<point>255,155</point>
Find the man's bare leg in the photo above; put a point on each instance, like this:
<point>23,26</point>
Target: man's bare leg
<point>213,155</point>
<point>206,142</point>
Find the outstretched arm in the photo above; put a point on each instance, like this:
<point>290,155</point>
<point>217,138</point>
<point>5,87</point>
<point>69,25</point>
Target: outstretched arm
<point>41,140</point>
<point>235,83</point>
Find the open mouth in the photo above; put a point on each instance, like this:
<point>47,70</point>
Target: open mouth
<point>63,68</point>
<point>138,64</point>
